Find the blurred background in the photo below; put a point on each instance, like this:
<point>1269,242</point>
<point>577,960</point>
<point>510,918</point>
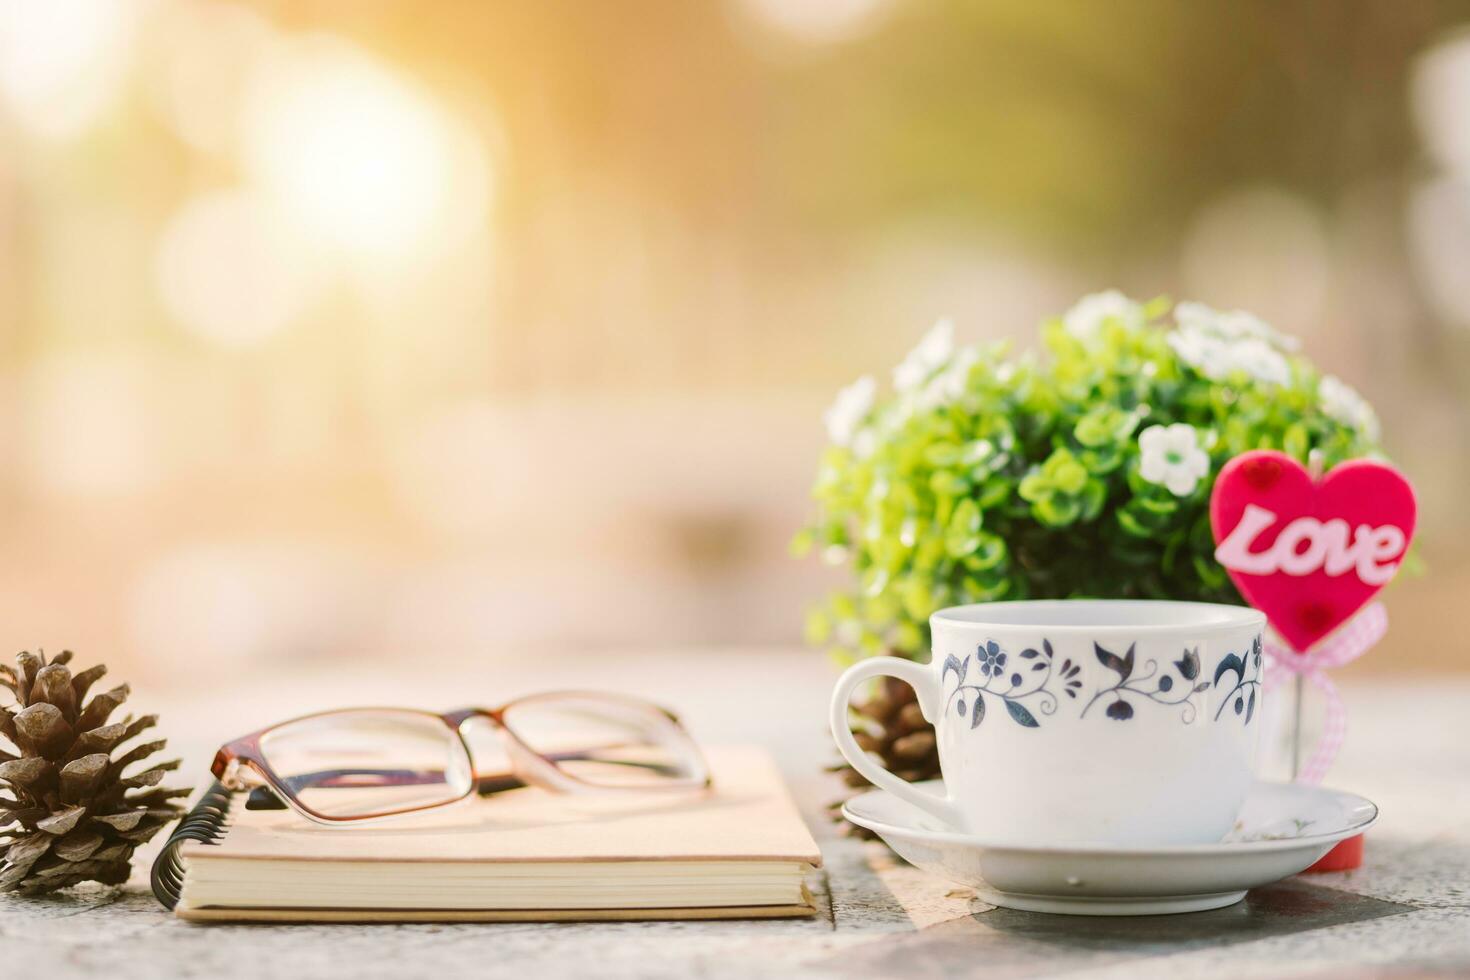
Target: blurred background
<point>363,331</point>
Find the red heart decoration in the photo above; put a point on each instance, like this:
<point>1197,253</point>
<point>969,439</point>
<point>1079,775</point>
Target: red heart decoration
<point>1310,554</point>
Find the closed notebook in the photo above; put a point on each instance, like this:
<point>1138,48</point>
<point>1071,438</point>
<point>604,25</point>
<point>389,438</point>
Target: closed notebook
<point>739,849</point>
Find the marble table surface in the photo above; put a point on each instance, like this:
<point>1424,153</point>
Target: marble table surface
<point>1406,912</point>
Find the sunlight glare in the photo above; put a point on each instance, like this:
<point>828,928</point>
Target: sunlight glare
<point>817,21</point>
<point>62,61</point>
<point>357,156</point>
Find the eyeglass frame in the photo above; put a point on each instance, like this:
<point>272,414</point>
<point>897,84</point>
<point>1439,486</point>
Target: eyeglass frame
<point>240,759</point>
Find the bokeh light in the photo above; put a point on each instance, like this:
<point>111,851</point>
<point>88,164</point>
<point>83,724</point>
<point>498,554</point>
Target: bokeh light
<point>1440,96</point>
<point>245,602</point>
<point>91,428</point>
<point>229,272</point>
<point>1439,207</point>
<point>1439,237</point>
<point>62,61</point>
<point>817,21</point>
<point>488,456</point>
<point>341,328</point>
<point>202,56</point>
<point>361,158</point>
<point>1260,249</point>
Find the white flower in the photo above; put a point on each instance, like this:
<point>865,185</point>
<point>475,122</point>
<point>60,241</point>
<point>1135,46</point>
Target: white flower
<point>1086,319</point>
<point>1171,456</point>
<point>950,383</point>
<point>1231,325</point>
<point>930,355</point>
<point>1261,361</point>
<point>1218,344</point>
<point>850,410</point>
<point>1340,401</point>
<point>1206,353</point>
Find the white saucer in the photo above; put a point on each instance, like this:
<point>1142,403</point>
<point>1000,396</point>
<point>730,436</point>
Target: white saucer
<point>1284,828</point>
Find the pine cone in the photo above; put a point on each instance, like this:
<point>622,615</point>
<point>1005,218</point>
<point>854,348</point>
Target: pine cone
<point>67,816</point>
<point>890,725</point>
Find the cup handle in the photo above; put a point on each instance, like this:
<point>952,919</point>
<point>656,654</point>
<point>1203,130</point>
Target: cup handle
<point>921,678</point>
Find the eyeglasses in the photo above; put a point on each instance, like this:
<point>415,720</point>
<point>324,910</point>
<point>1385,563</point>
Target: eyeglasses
<point>364,763</point>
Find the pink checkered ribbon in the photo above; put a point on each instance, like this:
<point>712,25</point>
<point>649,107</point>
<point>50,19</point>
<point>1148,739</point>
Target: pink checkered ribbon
<point>1342,647</point>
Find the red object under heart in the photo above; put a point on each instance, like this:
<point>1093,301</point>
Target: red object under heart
<point>1344,856</point>
<point>1338,557</point>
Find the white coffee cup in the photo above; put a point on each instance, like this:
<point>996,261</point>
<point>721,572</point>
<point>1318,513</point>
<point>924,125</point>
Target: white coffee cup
<point>1098,721</point>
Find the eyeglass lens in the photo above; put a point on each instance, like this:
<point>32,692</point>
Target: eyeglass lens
<point>368,762</point>
<point>605,742</point>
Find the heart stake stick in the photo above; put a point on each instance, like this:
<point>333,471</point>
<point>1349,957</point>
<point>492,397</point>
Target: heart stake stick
<point>1298,683</point>
<point>1311,554</point>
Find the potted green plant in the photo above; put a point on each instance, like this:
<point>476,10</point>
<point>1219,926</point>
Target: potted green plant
<point>1084,470</point>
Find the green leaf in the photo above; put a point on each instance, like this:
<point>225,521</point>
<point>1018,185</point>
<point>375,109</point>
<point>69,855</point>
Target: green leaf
<point>994,492</point>
<point>963,535</point>
<point>1070,477</point>
<point>1209,571</point>
<point>978,591</point>
<point>942,454</point>
<point>917,598</point>
<point>1130,524</point>
<point>1035,486</point>
<point>990,553</point>
<point>1296,443</point>
<point>1094,495</point>
<point>1163,506</point>
<point>978,452</point>
<point>1104,425</point>
<point>875,581</point>
<point>1057,511</point>
<point>948,484</point>
<point>1103,460</point>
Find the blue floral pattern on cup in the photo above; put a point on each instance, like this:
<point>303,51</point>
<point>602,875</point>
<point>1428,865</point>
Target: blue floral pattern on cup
<point>1027,682</point>
<point>1026,685</point>
<point>1247,671</point>
<point>1148,684</point>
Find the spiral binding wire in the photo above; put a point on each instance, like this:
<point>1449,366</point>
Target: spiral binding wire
<point>205,824</point>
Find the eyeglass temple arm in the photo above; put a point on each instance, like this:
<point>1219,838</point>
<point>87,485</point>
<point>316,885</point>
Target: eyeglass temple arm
<point>489,784</point>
